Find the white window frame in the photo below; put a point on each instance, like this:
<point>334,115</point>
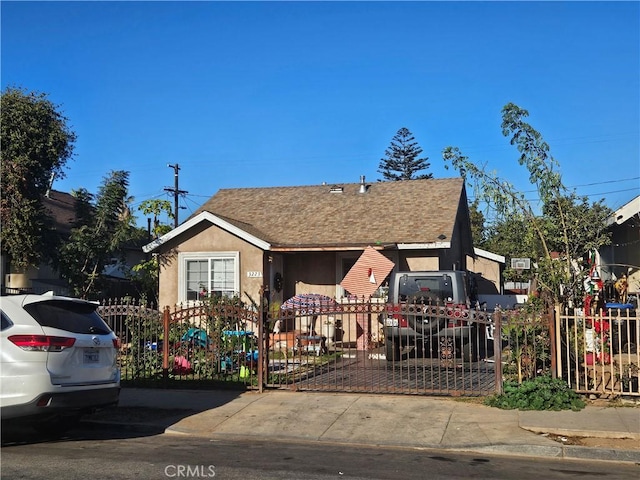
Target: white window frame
<point>183,258</point>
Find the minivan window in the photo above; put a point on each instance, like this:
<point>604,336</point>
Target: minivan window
<point>6,323</point>
<point>433,289</point>
<point>73,317</point>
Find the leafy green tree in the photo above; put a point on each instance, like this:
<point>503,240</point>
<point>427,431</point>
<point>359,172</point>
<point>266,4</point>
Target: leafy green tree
<point>146,273</point>
<point>104,227</point>
<point>36,145</point>
<point>568,226</point>
<point>478,231</point>
<point>513,237</point>
<point>401,160</point>
<point>158,208</point>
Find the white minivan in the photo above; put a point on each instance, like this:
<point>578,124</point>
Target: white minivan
<point>58,360</point>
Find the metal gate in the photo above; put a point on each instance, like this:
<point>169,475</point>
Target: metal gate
<point>344,347</point>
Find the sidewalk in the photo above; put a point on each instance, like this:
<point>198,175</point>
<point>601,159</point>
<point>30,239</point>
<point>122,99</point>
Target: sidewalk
<point>379,420</point>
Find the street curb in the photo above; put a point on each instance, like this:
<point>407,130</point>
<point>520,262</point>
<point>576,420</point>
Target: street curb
<point>568,452</point>
<point>560,451</point>
<point>597,453</point>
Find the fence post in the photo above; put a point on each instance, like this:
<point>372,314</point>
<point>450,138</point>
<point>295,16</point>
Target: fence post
<point>558,343</point>
<point>551,325</point>
<point>165,343</point>
<point>261,340</point>
<point>497,349</point>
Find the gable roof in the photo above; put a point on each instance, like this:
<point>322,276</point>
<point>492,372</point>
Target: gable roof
<point>329,216</point>
<point>624,213</point>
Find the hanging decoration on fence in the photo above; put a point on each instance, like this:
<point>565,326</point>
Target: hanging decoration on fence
<point>593,288</point>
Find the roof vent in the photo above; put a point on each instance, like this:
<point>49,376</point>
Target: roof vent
<point>335,190</point>
<point>363,185</point>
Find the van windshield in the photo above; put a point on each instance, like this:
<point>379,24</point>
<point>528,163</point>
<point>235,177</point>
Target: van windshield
<point>426,289</point>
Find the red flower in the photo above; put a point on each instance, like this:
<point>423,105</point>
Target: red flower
<point>601,326</point>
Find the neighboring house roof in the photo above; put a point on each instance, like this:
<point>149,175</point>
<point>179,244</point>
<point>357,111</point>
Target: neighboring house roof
<point>489,255</point>
<point>401,213</point>
<point>625,212</point>
<point>62,208</point>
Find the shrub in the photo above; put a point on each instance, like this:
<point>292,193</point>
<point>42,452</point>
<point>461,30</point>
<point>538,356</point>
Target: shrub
<point>540,393</point>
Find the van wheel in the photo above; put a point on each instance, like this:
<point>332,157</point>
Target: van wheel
<point>392,350</point>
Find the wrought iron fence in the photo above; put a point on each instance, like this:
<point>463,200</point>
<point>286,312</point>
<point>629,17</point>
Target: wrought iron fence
<point>371,346</point>
<point>204,343</point>
<point>526,347</point>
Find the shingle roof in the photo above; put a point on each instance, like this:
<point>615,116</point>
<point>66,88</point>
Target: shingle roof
<point>410,211</point>
<point>62,208</point>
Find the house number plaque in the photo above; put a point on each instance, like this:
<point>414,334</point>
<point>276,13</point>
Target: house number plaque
<point>254,274</point>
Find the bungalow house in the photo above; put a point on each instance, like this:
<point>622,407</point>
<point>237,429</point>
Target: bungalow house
<point>304,239</point>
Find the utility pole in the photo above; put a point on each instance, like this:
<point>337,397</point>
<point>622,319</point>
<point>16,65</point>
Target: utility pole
<point>176,193</point>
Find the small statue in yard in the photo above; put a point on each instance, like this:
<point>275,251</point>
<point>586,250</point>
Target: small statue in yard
<point>622,287</point>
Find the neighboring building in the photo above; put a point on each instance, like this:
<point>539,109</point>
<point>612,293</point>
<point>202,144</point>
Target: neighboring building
<point>622,256</point>
<point>62,209</point>
<point>305,239</point>
<point>489,269</point>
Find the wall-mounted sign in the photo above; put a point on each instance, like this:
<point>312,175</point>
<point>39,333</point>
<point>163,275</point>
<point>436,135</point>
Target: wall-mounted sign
<point>254,274</point>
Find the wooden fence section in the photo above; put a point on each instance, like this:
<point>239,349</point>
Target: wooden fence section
<point>600,355</point>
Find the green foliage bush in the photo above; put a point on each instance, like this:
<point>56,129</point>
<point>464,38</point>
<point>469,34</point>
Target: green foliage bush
<point>540,393</point>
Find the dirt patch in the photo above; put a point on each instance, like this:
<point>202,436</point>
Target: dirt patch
<point>614,443</point>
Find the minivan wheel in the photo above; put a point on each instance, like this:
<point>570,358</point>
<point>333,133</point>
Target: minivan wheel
<point>392,350</point>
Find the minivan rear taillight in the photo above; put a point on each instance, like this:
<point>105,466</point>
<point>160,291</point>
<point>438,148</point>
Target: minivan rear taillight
<point>42,343</point>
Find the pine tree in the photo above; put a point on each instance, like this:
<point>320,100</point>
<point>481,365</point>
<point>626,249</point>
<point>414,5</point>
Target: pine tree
<point>401,160</point>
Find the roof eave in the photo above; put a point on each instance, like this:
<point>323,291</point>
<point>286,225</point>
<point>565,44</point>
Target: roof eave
<point>213,219</point>
<point>423,246</point>
<point>489,255</point>
<point>625,212</point>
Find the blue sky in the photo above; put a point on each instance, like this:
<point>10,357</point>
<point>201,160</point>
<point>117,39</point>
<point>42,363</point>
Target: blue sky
<point>258,94</point>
